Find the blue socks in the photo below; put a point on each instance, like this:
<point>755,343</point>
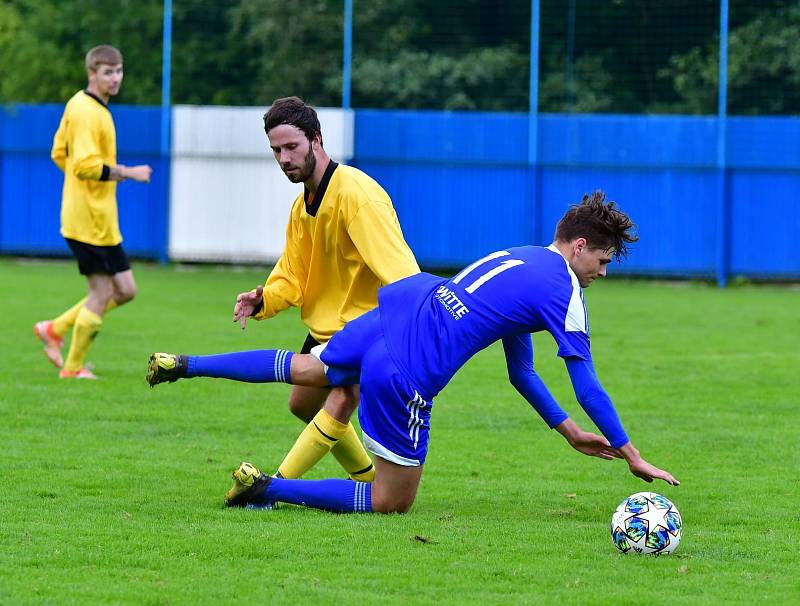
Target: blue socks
<point>258,366</point>
<point>339,496</point>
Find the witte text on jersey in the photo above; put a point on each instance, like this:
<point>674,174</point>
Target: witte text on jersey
<point>451,302</point>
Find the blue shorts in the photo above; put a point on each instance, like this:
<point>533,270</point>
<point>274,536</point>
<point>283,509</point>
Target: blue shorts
<point>394,418</point>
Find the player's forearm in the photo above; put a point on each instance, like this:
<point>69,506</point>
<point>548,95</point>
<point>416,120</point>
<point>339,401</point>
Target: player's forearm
<point>114,173</point>
<point>595,401</point>
<point>533,389</point>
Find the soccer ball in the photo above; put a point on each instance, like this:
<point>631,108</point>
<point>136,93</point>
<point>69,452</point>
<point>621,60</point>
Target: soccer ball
<point>646,522</point>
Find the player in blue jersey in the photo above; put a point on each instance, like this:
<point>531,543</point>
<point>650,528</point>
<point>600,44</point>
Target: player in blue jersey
<point>425,328</point>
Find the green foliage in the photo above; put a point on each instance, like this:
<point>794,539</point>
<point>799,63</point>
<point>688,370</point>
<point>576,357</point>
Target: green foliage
<point>420,80</point>
<point>626,56</point>
<point>43,44</point>
<point>763,68</point>
<point>110,492</point>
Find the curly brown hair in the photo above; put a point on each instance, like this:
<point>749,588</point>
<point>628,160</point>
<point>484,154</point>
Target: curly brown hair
<point>602,224</point>
<point>295,112</point>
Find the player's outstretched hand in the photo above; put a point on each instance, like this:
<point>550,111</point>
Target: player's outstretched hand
<point>593,445</point>
<point>246,305</point>
<point>642,469</point>
<point>585,441</point>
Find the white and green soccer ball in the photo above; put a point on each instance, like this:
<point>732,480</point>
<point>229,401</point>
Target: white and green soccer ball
<point>646,522</point>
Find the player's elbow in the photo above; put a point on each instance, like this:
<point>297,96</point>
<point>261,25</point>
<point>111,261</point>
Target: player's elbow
<point>86,175</point>
<point>88,170</point>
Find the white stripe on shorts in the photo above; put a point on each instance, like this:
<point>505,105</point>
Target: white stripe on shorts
<point>381,451</point>
<point>414,422</point>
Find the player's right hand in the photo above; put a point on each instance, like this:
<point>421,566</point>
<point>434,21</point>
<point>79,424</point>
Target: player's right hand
<point>140,173</point>
<point>246,304</point>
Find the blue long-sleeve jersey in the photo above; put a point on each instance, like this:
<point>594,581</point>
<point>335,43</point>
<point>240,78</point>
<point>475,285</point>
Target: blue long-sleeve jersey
<point>433,326</point>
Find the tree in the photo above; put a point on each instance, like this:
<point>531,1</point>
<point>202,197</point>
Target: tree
<point>43,44</point>
<point>763,68</point>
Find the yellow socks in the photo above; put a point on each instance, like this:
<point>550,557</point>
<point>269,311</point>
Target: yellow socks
<point>320,436</point>
<point>350,453</point>
<point>65,321</point>
<point>87,325</point>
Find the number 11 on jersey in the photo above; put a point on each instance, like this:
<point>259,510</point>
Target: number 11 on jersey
<point>484,278</point>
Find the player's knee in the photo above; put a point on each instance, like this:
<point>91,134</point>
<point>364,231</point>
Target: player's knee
<point>308,371</point>
<point>305,403</point>
<point>302,410</point>
<point>391,503</point>
<point>388,497</point>
<point>125,294</point>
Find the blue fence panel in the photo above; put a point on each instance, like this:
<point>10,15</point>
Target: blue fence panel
<point>452,213</point>
<point>673,209</point>
<point>436,137</point>
<point>765,224</point>
<point>30,184</point>
<point>462,185</point>
<point>621,141</point>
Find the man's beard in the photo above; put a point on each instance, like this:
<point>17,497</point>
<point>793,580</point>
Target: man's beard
<point>307,170</point>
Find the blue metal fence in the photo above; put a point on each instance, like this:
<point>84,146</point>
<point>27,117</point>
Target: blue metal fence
<point>30,184</point>
<point>463,184</point>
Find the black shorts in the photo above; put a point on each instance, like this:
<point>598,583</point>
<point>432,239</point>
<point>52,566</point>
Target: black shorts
<point>93,259</point>
<point>308,344</point>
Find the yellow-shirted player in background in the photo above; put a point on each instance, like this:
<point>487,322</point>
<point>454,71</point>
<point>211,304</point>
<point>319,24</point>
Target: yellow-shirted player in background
<point>343,242</point>
<point>85,148</point>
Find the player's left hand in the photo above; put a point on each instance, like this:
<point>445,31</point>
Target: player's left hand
<point>644,470</point>
<point>593,445</point>
<point>246,305</point>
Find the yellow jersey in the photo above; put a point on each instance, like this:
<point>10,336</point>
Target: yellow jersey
<point>85,148</point>
<point>340,248</point>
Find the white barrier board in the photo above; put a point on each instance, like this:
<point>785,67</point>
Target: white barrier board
<point>229,200</point>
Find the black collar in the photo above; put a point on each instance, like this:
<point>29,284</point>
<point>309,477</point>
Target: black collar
<point>95,97</point>
<point>321,188</point>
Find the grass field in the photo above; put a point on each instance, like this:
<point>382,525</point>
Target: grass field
<point>111,493</point>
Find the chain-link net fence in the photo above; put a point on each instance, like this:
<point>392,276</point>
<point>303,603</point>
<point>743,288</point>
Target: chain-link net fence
<point>613,56</point>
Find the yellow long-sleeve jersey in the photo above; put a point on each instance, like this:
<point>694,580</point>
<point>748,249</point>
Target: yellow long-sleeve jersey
<point>85,147</point>
<point>339,250</point>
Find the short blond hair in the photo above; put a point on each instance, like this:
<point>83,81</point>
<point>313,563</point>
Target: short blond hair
<point>102,55</point>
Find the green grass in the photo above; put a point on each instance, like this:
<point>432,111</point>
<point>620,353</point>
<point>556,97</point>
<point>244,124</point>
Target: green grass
<point>111,492</point>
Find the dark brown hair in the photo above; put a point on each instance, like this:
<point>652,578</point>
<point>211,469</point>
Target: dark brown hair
<point>102,55</point>
<point>600,222</point>
<point>295,112</point>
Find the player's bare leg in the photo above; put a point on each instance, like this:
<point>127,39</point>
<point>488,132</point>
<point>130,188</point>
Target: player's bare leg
<point>305,402</point>
<point>394,487</point>
<point>51,332</point>
<point>124,288</point>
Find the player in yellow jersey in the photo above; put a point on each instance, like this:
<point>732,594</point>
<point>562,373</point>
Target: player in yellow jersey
<point>343,242</point>
<point>85,148</point>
